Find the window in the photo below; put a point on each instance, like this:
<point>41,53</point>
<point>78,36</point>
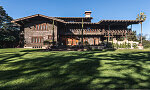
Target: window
<point>33,40</point>
<point>41,27</point>
<point>38,27</point>
<point>69,42</point>
<point>88,28</point>
<point>46,26</point>
<point>50,37</point>
<point>37,39</point>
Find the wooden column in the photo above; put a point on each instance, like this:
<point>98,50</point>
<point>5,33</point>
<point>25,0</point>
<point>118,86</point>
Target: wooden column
<point>53,33</point>
<point>126,31</point>
<point>109,32</point>
<point>82,33</point>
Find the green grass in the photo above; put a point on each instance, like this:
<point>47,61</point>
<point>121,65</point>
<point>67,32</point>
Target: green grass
<point>28,69</point>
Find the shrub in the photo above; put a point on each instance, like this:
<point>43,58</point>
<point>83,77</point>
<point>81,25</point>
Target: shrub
<point>109,45</point>
<point>135,45</point>
<point>46,42</point>
<point>146,44</point>
<point>123,45</point>
<point>120,39</point>
<point>86,43</point>
<point>129,45</point>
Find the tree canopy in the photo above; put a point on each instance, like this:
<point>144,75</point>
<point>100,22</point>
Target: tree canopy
<point>8,33</point>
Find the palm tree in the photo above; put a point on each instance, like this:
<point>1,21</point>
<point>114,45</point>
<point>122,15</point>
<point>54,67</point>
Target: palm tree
<point>141,17</point>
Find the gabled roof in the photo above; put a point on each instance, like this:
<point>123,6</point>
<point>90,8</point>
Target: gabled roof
<point>80,23</point>
<point>110,22</point>
<point>119,21</point>
<point>60,19</point>
<point>53,18</point>
<point>74,17</point>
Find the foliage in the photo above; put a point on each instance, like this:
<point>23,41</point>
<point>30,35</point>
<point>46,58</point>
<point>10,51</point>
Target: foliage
<point>109,45</point>
<point>86,43</point>
<point>123,45</point>
<point>30,69</point>
<point>120,39</point>
<point>146,43</point>
<point>132,36</point>
<point>139,37</point>
<point>135,45</point>
<point>9,35</point>
<point>141,17</point>
<point>46,42</point>
<point>116,45</point>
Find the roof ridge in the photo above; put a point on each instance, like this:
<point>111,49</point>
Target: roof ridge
<point>73,17</point>
<point>23,18</point>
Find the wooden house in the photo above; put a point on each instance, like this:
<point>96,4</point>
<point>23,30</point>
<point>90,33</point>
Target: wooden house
<point>36,29</point>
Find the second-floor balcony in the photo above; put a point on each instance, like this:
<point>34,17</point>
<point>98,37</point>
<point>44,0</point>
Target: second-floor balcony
<point>95,32</point>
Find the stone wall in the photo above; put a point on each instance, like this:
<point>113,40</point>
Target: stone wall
<point>30,32</point>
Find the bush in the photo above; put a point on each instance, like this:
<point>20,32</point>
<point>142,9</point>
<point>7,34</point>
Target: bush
<point>129,45</point>
<point>146,44</point>
<point>0,46</point>
<point>135,45</point>
<point>116,45</point>
<point>124,45</point>
<point>86,43</point>
<point>46,42</point>
<point>109,45</point>
<point>120,39</point>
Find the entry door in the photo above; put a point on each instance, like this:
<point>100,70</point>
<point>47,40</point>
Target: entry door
<point>77,42</point>
<point>69,41</point>
<point>96,41</point>
<point>72,41</point>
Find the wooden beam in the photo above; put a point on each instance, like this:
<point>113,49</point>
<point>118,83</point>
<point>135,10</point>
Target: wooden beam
<point>108,36</point>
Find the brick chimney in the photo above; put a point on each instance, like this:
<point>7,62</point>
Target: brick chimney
<point>88,13</point>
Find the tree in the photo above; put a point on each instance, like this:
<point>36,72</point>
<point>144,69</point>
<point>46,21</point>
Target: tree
<point>139,37</point>
<point>141,17</point>
<point>8,33</point>
<point>146,42</point>
<point>132,36</point>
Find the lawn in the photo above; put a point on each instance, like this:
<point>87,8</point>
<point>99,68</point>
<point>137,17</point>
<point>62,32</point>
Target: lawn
<point>28,69</point>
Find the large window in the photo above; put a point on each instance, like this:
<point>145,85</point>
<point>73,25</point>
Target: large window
<point>37,39</point>
<point>50,37</point>
<point>41,27</point>
<point>69,42</point>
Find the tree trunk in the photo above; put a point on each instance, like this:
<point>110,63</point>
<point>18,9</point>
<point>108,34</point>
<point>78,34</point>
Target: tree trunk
<point>141,33</point>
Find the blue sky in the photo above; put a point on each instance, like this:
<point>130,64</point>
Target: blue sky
<point>101,9</point>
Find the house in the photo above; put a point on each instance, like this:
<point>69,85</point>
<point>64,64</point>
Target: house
<point>38,28</point>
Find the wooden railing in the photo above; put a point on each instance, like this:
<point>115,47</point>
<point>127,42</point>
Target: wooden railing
<point>95,32</point>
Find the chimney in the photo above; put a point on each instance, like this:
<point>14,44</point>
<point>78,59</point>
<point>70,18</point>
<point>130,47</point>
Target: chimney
<point>88,13</point>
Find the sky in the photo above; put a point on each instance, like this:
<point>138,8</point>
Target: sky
<point>101,9</point>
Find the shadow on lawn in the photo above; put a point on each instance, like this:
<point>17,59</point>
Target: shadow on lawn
<point>78,71</point>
